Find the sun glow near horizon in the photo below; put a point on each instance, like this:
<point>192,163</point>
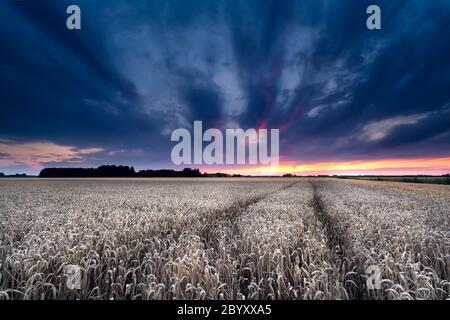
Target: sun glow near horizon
<point>416,166</point>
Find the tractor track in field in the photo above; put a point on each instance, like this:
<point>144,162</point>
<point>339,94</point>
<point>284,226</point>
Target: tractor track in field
<point>229,217</point>
<point>337,243</point>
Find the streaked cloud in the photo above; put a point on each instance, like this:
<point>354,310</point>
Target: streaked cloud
<point>139,69</point>
<point>378,130</point>
<point>37,154</point>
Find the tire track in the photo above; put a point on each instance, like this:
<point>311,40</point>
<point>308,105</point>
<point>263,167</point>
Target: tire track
<point>218,218</point>
<point>337,242</point>
<point>226,221</point>
<point>229,215</point>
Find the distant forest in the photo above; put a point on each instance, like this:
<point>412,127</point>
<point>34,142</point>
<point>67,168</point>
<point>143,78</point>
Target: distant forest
<point>121,172</point>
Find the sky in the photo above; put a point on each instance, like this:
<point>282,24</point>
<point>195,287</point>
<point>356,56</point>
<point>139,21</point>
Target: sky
<point>347,100</point>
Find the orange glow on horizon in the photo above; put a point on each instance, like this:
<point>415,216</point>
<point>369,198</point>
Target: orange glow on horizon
<point>425,166</point>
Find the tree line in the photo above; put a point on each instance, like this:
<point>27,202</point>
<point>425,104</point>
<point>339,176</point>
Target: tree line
<point>112,171</point>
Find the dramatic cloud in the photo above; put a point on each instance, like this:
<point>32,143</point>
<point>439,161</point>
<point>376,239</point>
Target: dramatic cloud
<point>139,69</point>
<point>40,153</point>
<point>378,130</point>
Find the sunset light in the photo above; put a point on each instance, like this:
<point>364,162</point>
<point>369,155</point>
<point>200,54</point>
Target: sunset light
<point>425,166</point>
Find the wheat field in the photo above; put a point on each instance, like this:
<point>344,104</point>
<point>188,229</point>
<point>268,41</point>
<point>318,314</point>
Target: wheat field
<point>261,238</point>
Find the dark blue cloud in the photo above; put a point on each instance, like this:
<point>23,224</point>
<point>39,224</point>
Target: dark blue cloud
<point>138,70</point>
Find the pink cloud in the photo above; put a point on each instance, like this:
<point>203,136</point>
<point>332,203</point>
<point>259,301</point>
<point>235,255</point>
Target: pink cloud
<point>35,154</point>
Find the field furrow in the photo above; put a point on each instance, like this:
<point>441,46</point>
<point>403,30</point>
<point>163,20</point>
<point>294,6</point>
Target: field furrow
<point>403,234</point>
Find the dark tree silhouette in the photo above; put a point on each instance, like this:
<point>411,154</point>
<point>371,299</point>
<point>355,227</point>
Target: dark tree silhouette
<point>115,172</point>
<point>187,172</point>
<point>102,171</point>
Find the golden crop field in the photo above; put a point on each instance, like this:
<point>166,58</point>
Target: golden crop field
<point>268,238</point>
